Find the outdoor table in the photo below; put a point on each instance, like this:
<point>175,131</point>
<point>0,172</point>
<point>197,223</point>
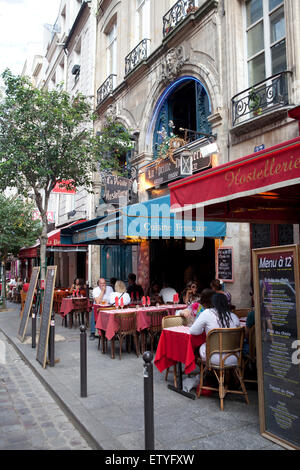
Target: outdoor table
<point>106,320</point>
<point>67,307</point>
<point>176,346</point>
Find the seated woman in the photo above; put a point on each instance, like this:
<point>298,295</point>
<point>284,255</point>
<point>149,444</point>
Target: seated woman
<point>190,293</point>
<point>194,310</point>
<point>219,316</point>
<point>78,287</point>
<point>120,292</point>
<point>216,285</point>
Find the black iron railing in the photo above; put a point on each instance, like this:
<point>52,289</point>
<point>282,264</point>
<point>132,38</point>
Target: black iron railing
<point>137,55</point>
<point>106,88</point>
<point>263,97</point>
<point>177,13</point>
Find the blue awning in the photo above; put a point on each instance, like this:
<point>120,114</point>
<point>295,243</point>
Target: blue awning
<point>151,219</point>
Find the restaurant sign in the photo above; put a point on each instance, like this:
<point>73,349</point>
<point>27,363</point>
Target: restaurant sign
<point>164,171</point>
<point>115,188</point>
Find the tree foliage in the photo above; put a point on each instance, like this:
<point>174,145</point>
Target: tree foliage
<point>17,228</point>
<point>113,142</point>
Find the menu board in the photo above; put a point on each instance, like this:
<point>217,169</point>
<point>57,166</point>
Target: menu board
<point>46,316</point>
<point>28,303</point>
<point>276,289</point>
<point>225,264</point>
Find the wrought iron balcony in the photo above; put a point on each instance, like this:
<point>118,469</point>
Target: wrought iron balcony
<point>106,88</point>
<point>260,99</point>
<point>177,13</point>
<point>137,55</point>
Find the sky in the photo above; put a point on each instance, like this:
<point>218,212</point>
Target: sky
<point>22,30</point>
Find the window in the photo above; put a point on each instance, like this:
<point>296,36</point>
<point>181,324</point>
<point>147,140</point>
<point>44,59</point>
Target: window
<point>112,50</point>
<point>266,39</point>
<point>143,20</point>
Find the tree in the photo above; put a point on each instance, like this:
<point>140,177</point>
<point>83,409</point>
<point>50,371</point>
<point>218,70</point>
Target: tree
<point>46,137</point>
<point>114,142</point>
<point>17,229</point>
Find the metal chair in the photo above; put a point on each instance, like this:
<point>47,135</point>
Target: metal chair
<point>225,342</point>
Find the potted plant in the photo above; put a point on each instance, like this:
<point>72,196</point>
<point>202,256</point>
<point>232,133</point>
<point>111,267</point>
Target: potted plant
<point>254,102</point>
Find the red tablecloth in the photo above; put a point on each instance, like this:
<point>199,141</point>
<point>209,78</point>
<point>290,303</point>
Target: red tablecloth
<point>106,320</point>
<point>67,306</point>
<point>177,345</point>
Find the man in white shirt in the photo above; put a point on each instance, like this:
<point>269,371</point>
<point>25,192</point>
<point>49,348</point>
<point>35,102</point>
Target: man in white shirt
<point>167,294</point>
<point>101,293</point>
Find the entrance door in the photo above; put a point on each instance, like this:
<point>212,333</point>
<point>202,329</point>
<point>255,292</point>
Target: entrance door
<point>116,261</point>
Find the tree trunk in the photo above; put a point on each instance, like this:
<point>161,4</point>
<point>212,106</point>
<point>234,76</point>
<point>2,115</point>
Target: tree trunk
<point>3,290</point>
<point>43,248</point>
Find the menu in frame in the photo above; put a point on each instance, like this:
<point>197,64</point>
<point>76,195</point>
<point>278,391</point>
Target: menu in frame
<point>46,316</point>
<point>277,312</point>
<point>225,264</point>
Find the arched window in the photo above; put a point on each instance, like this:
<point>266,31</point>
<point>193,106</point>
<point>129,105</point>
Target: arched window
<point>182,109</point>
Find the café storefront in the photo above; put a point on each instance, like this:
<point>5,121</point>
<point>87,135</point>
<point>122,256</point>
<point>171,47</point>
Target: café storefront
<point>263,188</point>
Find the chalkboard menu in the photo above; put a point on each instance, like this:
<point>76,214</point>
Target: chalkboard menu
<point>46,316</point>
<point>276,289</point>
<point>28,303</point>
<point>225,264</point>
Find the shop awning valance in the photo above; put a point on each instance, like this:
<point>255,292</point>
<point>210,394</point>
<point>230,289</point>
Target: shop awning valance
<point>264,186</point>
<point>150,219</point>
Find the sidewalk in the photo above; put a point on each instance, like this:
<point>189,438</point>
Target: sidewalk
<point>112,416</point>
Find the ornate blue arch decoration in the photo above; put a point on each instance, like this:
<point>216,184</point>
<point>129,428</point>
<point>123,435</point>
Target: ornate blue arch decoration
<point>161,116</point>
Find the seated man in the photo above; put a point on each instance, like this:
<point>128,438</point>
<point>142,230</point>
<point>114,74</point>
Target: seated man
<point>134,290</point>
<point>101,294</point>
<point>167,294</point>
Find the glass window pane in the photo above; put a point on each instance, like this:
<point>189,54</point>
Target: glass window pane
<point>277,25</point>
<point>256,70</point>
<point>254,11</point>
<point>274,3</point>
<point>255,38</point>
<point>278,58</point>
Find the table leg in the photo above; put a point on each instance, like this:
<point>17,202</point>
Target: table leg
<point>70,319</point>
<point>179,389</point>
<point>112,348</point>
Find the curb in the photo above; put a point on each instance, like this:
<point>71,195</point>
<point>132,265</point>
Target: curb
<point>73,418</point>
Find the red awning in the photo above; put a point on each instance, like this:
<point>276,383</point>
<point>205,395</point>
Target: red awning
<point>53,240</point>
<point>264,186</point>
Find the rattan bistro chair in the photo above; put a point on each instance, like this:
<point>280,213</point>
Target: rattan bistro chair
<point>168,322</point>
<point>80,308</point>
<point>127,328</point>
<point>154,329</point>
<point>225,342</point>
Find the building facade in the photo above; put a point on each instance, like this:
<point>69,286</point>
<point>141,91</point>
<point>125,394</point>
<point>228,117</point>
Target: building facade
<point>220,75</point>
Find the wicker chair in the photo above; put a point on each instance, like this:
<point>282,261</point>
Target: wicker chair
<point>127,328</point>
<point>168,322</point>
<point>154,330</point>
<point>242,312</point>
<point>57,300</point>
<point>80,307</point>
<point>250,359</point>
<point>225,342</point>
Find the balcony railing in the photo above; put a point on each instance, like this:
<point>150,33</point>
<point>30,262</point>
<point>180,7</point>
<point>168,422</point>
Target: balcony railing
<point>177,13</point>
<point>262,98</point>
<point>106,88</point>
<point>137,55</point>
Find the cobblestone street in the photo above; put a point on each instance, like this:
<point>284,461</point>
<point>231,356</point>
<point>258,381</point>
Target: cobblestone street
<point>30,419</point>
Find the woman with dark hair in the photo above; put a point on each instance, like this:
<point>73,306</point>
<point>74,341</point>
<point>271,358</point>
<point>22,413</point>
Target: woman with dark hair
<point>190,293</point>
<point>216,285</point>
<point>219,316</point>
